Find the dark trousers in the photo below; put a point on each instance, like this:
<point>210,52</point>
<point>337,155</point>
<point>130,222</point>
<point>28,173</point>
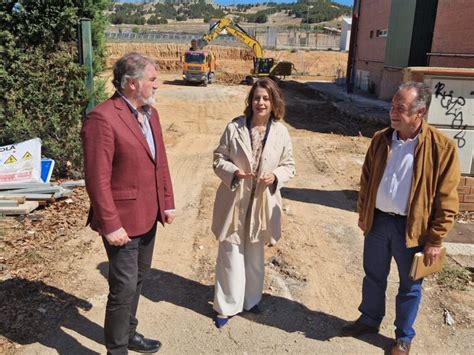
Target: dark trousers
<point>128,266</point>
<point>387,239</point>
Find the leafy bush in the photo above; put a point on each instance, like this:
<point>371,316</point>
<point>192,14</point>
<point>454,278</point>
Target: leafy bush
<point>314,11</point>
<point>201,10</point>
<point>155,20</point>
<point>43,92</point>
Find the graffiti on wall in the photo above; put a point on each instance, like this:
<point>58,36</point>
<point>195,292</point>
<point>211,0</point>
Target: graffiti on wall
<point>452,111</point>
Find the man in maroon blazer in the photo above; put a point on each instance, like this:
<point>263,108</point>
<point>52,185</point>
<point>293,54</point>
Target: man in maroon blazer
<point>129,186</point>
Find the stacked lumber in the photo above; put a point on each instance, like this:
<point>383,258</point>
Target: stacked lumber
<point>22,198</point>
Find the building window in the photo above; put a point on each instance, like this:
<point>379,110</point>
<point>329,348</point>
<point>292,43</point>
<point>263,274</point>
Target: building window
<point>371,34</point>
<point>382,33</point>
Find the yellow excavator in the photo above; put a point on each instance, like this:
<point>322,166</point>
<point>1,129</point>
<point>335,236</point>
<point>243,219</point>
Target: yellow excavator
<point>261,66</point>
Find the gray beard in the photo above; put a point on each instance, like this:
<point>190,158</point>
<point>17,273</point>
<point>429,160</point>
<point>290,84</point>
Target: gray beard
<point>149,101</point>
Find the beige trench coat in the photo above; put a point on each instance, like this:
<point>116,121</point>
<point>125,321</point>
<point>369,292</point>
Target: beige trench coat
<point>233,195</point>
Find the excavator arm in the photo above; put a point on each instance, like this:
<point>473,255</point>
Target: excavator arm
<point>235,30</point>
<point>215,31</point>
<point>262,66</point>
<point>239,33</point>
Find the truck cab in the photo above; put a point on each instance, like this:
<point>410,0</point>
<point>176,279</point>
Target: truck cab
<point>199,66</point>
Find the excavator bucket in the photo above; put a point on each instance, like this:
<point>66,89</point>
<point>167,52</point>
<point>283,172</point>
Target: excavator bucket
<point>281,69</point>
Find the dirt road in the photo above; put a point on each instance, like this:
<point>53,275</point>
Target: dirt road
<point>313,276</point>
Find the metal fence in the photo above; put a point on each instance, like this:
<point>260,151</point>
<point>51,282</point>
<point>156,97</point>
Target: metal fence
<point>163,37</point>
<point>270,38</point>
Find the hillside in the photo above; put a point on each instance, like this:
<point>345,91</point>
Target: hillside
<point>308,12</point>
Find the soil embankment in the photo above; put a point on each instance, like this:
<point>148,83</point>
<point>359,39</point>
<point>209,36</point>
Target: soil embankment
<point>235,62</point>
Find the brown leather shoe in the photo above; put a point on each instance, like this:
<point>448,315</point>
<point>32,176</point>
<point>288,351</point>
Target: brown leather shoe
<point>358,328</point>
<point>400,347</point>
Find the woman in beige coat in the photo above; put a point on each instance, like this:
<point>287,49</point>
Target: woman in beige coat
<point>253,160</point>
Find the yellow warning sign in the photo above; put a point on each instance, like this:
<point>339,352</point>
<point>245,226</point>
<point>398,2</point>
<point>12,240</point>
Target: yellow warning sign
<point>27,156</point>
<point>11,159</point>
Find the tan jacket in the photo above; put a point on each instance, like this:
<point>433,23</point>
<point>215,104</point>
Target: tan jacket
<point>433,201</point>
<point>233,195</point>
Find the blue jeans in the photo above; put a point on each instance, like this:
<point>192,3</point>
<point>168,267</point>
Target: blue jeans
<point>387,239</point>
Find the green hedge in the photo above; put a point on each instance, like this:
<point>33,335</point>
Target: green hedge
<point>43,93</point>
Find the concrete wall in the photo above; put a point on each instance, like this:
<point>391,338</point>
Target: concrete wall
<point>452,111</point>
<point>391,79</point>
<point>453,34</point>
<point>345,34</point>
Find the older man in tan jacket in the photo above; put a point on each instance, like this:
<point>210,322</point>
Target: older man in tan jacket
<point>407,203</point>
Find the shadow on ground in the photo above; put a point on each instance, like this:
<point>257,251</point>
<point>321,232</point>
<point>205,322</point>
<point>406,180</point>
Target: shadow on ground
<point>307,109</point>
<point>176,82</point>
<point>278,312</point>
<point>342,199</point>
<point>32,311</point>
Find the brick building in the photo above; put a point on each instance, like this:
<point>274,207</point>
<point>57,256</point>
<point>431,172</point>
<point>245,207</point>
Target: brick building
<point>388,36</point>
<point>453,37</point>
<point>423,40</point>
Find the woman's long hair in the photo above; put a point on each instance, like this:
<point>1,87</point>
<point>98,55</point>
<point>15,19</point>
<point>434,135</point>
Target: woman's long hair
<point>276,98</point>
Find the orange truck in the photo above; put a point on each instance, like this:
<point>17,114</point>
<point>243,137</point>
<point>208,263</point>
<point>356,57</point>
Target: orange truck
<point>199,66</point>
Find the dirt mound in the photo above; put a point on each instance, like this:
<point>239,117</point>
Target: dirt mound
<point>235,60</point>
<point>318,63</point>
<point>230,78</point>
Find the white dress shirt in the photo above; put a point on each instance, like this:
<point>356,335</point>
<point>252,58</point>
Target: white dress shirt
<point>394,189</point>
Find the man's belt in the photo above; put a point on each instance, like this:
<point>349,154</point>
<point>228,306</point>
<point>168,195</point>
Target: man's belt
<point>390,213</point>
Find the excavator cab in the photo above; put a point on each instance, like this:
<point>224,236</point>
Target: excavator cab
<point>263,66</point>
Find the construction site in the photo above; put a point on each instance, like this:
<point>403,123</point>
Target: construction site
<point>54,269</point>
<point>313,275</point>
<point>234,63</point>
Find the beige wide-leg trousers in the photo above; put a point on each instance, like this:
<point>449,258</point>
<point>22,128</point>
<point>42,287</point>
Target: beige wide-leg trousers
<point>240,271</point>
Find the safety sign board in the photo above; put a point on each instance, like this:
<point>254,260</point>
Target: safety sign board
<point>21,162</point>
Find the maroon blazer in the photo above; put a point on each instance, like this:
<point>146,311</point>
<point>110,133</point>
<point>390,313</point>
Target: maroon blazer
<point>126,187</point>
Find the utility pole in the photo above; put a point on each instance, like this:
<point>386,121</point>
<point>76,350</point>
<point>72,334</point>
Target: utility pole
<point>85,58</point>
<point>307,25</point>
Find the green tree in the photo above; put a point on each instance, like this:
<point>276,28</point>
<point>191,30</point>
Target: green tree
<point>43,93</point>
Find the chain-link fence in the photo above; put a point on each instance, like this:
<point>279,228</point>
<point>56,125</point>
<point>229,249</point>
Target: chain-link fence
<point>164,37</point>
<point>270,38</point>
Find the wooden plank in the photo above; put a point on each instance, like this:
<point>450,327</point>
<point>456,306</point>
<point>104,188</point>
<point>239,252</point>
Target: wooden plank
<point>24,208</point>
<point>28,197</point>
<point>19,199</point>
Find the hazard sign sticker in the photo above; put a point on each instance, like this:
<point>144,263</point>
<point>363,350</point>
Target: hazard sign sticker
<point>27,156</point>
<point>11,160</point>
